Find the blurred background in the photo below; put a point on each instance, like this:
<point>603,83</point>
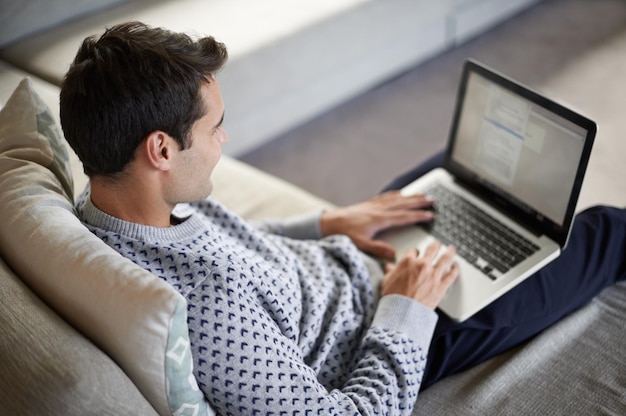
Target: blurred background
<point>574,51</point>
<point>339,97</point>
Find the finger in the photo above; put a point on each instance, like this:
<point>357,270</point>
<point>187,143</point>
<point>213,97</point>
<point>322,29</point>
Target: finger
<point>389,194</point>
<point>410,255</point>
<point>396,218</point>
<point>397,200</point>
<point>448,256</point>
<point>445,261</point>
<point>378,248</point>
<point>431,251</point>
<point>400,218</point>
<point>414,201</point>
<point>450,276</point>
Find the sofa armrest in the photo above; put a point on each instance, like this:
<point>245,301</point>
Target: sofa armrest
<point>255,195</point>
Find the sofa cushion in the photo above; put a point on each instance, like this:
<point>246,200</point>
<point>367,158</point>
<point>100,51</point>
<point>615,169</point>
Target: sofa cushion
<point>257,195</point>
<point>574,368</point>
<point>137,319</point>
<point>48,368</point>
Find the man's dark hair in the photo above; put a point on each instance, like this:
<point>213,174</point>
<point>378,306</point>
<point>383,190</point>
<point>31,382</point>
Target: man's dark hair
<point>126,84</point>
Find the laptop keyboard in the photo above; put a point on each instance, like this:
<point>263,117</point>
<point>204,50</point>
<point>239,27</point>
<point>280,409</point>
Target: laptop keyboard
<point>479,238</point>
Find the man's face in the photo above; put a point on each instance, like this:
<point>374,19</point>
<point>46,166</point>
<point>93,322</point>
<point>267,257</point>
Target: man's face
<point>195,164</point>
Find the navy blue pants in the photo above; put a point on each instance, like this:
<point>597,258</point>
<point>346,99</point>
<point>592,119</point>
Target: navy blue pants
<point>593,259</point>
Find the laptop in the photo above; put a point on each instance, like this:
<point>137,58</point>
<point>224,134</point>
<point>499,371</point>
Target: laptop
<point>506,194</point>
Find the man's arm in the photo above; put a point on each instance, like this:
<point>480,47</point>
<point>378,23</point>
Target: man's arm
<point>417,277</point>
<point>424,277</point>
<point>299,227</point>
<point>361,222</point>
<point>244,363</point>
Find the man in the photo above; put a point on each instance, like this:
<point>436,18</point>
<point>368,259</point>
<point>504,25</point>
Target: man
<point>283,316</point>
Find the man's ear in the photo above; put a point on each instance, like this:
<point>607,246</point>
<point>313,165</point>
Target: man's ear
<point>158,148</point>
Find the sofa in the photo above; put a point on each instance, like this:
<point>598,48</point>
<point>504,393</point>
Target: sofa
<point>85,331</point>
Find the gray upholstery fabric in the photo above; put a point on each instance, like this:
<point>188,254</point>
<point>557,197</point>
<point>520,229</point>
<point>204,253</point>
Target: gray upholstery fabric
<point>19,19</point>
<point>47,368</point>
<point>571,369</point>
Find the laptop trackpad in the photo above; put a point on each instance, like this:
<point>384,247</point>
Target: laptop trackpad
<point>471,284</point>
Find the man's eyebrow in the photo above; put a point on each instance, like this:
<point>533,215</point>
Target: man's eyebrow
<point>219,123</point>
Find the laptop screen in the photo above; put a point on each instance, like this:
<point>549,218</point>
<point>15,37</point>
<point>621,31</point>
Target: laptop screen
<point>527,150</point>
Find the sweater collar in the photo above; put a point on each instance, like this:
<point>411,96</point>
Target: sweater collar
<point>188,223</point>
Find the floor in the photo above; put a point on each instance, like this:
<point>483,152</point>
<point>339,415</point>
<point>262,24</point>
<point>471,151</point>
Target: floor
<point>574,51</point>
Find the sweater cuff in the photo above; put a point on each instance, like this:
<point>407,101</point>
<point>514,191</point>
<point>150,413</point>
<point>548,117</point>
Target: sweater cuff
<point>303,227</point>
<point>405,315</point>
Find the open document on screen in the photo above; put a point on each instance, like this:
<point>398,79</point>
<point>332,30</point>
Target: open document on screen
<point>517,146</point>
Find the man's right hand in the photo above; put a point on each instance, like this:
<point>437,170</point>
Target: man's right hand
<point>425,278</point>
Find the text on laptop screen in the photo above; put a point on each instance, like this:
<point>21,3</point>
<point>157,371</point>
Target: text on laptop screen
<point>519,147</point>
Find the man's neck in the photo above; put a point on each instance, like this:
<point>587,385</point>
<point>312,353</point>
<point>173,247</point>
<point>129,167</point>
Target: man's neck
<point>130,202</point>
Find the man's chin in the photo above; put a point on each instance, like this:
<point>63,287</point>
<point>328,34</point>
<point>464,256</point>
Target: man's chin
<point>209,190</point>
<point>200,196</point>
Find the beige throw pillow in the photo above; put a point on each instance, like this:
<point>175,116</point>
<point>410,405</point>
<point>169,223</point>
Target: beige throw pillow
<point>139,320</point>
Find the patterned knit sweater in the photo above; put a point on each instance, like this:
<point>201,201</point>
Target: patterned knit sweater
<point>278,325</point>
